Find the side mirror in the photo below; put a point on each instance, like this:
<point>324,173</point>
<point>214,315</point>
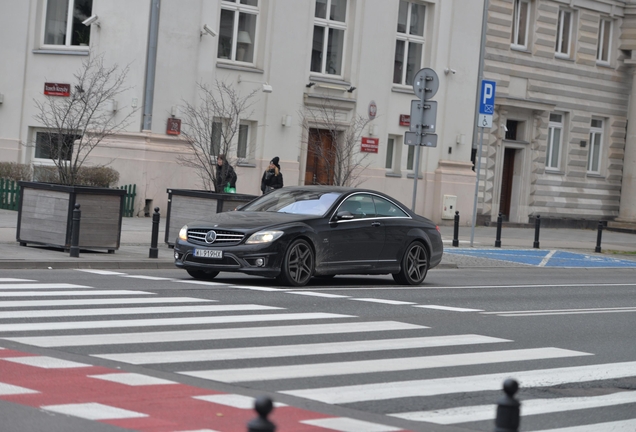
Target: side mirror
<point>344,215</point>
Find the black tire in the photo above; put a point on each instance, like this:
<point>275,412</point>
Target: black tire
<point>414,265</point>
<point>203,274</point>
<point>298,264</point>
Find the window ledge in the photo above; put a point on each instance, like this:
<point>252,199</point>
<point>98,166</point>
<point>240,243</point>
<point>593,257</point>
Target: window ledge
<point>595,175</point>
<point>61,52</point>
<point>402,89</point>
<point>520,49</point>
<point>604,65</point>
<point>246,164</point>
<point>223,65</point>
<point>327,80</point>
<point>563,57</point>
<point>554,171</point>
<point>411,175</point>
<point>393,174</point>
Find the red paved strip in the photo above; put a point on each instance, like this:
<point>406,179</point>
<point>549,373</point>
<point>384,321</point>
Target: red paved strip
<point>169,407</point>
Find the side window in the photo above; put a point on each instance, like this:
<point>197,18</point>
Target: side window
<point>596,147</point>
<point>237,33</point>
<point>54,146</point>
<point>361,206</point>
<point>63,22</point>
<point>385,208</point>
<point>520,24</point>
<point>409,44</point>
<point>555,137</point>
<point>330,23</point>
<point>604,41</point>
<point>565,38</point>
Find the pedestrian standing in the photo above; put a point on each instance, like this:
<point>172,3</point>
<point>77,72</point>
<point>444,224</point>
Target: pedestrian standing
<point>272,177</point>
<point>225,175</point>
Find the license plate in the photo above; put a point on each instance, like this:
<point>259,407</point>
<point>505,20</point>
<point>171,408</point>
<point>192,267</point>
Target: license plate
<point>208,253</point>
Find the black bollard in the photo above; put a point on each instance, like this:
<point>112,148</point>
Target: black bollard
<point>456,230</point>
<point>598,237</point>
<point>537,227</point>
<point>75,230</point>
<point>507,419</point>
<point>263,406</point>
<point>498,239</point>
<point>154,252</point>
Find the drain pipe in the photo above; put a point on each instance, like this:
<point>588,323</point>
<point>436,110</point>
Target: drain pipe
<point>151,64</point>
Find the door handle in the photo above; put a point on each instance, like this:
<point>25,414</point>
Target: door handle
<point>375,224</point>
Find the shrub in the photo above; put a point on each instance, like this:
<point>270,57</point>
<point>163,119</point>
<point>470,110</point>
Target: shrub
<point>98,176</point>
<point>15,171</point>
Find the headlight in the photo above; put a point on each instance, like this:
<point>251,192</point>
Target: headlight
<point>264,237</point>
<point>183,233</point>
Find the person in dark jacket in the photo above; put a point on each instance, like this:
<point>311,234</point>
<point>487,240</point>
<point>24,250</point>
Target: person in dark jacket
<point>224,174</point>
<point>272,177</point>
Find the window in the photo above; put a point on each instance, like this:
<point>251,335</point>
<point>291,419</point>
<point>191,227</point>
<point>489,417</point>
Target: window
<point>237,33</point>
<point>555,133</point>
<point>409,46</point>
<point>54,146</point>
<point>564,33</point>
<point>360,206</point>
<point>63,22</point>
<point>216,139</point>
<point>329,33</point>
<point>604,39</point>
<point>596,146</point>
<point>384,208</point>
<point>520,24</point>
<point>243,140</point>
<point>390,144</point>
<point>410,158</point>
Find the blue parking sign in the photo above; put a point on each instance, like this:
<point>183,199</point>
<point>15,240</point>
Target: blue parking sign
<point>487,97</point>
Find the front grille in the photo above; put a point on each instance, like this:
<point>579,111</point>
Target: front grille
<point>223,238</point>
<point>225,261</point>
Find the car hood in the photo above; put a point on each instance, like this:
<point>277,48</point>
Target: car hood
<point>244,221</point>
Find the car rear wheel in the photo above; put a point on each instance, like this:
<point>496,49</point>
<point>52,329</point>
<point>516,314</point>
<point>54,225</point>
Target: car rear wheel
<point>414,265</point>
<point>298,264</point>
<point>203,274</point>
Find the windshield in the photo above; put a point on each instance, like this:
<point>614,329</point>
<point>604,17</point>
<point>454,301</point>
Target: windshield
<point>294,201</point>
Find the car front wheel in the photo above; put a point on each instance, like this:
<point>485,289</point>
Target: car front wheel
<point>298,264</point>
<point>414,265</point>
<point>203,274</point>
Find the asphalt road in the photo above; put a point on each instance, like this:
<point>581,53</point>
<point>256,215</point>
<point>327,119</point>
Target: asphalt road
<point>429,358</point>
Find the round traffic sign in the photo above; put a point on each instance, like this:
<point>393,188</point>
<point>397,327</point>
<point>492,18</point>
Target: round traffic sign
<point>425,83</point>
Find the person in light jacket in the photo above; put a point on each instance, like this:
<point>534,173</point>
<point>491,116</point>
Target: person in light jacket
<point>272,177</point>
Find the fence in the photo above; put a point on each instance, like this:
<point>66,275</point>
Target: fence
<point>9,194</point>
<point>129,201</point>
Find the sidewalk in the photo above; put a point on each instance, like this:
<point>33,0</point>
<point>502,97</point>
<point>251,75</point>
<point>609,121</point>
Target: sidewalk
<point>136,236</point>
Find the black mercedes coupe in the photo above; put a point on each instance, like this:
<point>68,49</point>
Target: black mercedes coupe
<point>296,233</point>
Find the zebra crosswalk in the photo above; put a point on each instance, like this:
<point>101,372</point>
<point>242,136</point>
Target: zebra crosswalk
<point>333,358</point>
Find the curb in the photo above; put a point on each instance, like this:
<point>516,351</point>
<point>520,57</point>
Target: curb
<point>44,265</point>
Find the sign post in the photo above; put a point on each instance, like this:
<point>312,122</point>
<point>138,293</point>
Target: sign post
<point>423,115</point>
<point>486,111</point>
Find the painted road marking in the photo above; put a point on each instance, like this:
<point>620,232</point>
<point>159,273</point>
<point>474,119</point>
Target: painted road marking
<point>10,390</point>
<point>215,334</point>
<point>45,362</point>
<point>545,258</point>
<point>72,293</point>
<point>448,308</point>
<point>21,286</point>
<point>317,294</point>
<point>344,424</point>
<point>616,426</point>
<point>233,400</point>
<point>252,352</point>
<point>383,301</point>
<point>561,312</point>
<point>5,280</point>
<point>383,365</point>
<point>101,272</point>
<point>132,379</point>
<point>93,411</point>
<point>95,302</point>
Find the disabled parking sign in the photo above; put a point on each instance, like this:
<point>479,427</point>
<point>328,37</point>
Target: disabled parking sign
<point>486,103</point>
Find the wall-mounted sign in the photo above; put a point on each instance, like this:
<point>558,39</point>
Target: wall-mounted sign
<point>373,110</point>
<point>57,89</point>
<point>370,145</point>
<point>405,120</point>
<point>174,126</point>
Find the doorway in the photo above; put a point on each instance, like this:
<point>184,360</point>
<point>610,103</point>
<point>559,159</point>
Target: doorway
<point>507,177</point>
<point>319,169</point>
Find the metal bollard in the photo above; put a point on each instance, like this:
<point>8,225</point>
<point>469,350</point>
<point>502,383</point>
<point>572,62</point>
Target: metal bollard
<point>75,230</point>
<point>537,227</point>
<point>599,235</point>
<point>507,419</point>
<point>456,230</point>
<point>263,406</point>
<point>498,239</point>
<point>154,252</point>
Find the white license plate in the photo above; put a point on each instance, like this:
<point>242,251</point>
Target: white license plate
<point>208,253</point>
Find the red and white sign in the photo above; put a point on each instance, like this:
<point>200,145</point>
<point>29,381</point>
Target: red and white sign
<point>174,126</point>
<point>370,145</point>
<point>405,120</point>
<point>373,110</point>
<point>57,89</point>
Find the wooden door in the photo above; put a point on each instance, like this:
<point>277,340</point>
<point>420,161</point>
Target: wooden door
<point>319,169</point>
<point>506,182</point>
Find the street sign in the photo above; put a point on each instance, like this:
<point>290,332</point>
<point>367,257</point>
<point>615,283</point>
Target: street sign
<point>412,138</point>
<point>486,103</point>
<point>423,116</point>
<point>425,83</point>
<point>417,139</point>
<point>429,140</point>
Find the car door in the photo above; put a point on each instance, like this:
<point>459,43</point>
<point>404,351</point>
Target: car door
<point>353,243</point>
<point>396,224</point>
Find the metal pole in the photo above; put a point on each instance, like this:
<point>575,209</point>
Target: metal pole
<point>597,249</point>
<point>508,416</point>
<point>154,251</point>
<point>263,406</point>
<point>537,228</point>
<point>478,169</point>
<point>75,230</point>
<point>456,230</point>
<point>498,239</point>
<point>416,171</point>
<point>151,63</point>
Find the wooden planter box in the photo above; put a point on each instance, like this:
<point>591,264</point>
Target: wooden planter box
<point>45,215</point>
<point>190,205</point>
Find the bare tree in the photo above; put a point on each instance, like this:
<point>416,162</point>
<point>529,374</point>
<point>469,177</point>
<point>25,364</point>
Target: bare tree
<point>210,127</point>
<point>75,125</point>
<point>334,143</point>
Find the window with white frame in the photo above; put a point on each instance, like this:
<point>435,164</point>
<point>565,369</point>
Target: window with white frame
<point>327,50</point>
<point>240,140</point>
<point>604,40</point>
<point>52,145</point>
<point>596,147</point>
<point>244,139</point>
<point>409,44</point>
<point>555,137</point>
<point>63,22</point>
<point>390,153</point>
<point>237,30</point>
<point>520,24</point>
<point>410,158</point>
<point>216,138</point>
<point>564,33</point>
